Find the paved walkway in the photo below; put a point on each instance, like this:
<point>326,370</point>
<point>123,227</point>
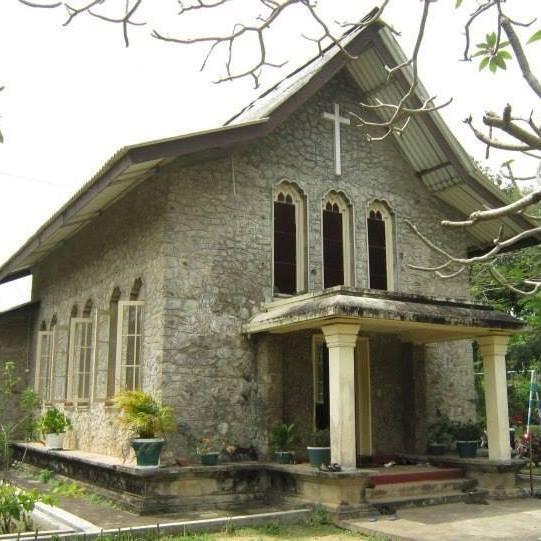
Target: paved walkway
<point>509,520</point>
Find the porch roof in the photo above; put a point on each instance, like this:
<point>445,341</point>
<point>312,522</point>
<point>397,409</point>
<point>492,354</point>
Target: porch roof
<point>416,318</point>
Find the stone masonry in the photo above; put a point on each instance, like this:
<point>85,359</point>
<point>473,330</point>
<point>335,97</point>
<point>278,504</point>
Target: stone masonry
<point>199,235</point>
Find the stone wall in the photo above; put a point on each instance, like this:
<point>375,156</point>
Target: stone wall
<point>450,380</point>
<point>122,244</point>
<point>218,255</point>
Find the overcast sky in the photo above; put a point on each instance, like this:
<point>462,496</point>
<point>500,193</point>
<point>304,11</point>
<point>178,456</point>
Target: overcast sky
<point>75,94</point>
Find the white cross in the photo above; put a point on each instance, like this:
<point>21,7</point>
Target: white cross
<point>337,119</point>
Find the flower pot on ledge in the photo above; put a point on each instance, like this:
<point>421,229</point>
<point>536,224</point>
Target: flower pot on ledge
<point>55,441</point>
<point>467,449</point>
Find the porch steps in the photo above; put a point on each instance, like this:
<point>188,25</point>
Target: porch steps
<point>420,493</point>
<point>408,476</point>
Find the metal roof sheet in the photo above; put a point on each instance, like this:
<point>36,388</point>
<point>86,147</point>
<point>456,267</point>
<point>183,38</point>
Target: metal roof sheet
<point>458,183</point>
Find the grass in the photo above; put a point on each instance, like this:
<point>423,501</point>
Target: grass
<point>273,531</point>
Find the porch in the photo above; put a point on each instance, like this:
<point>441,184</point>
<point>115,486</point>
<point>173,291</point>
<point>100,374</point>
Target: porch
<point>348,322</point>
<point>255,485</point>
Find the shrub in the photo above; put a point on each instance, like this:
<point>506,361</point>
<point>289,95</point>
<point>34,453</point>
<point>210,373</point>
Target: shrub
<point>281,437</point>
<point>467,431</point>
<point>16,506</point>
<point>320,438</point>
<point>54,421</point>
<point>143,415</point>
<point>441,431</point>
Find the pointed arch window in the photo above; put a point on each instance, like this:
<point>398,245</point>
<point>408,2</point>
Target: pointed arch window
<point>44,361</point>
<point>380,251</point>
<point>289,234</point>
<point>82,354</point>
<point>337,245</point>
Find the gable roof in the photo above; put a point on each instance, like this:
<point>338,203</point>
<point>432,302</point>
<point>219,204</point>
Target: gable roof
<point>434,153</point>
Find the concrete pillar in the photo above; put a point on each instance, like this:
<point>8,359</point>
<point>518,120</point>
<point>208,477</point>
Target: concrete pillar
<point>493,349</point>
<point>341,339</point>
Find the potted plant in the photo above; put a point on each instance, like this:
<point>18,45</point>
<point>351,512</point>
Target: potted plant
<point>440,435</point>
<point>319,448</point>
<point>142,414</point>
<point>280,438</point>
<point>206,451</point>
<point>53,423</point>
<point>467,436</point>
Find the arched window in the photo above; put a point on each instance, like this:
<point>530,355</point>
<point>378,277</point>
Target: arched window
<point>289,250</point>
<point>44,361</point>
<point>129,341</point>
<point>81,354</point>
<point>380,247</point>
<point>337,256</point>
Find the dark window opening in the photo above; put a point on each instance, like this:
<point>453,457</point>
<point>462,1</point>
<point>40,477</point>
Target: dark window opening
<point>322,405</point>
<point>377,251</point>
<point>285,245</point>
<point>333,246</point>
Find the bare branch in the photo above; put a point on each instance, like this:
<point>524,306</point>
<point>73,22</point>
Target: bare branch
<point>34,5</point>
<point>531,79</point>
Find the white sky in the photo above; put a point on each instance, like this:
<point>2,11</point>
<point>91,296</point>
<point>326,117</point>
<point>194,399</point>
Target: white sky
<point>75,94</point>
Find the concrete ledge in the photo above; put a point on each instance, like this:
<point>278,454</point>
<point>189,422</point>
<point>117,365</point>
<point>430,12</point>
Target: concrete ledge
<point>191,488</point>
<point>498,477</point>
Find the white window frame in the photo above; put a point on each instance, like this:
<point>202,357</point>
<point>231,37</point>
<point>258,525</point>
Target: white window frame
<point>287,188</point>
<point>347,241</point>
<point>38,383</point>
<point>120,368</point>
<point>74,361</point>
<point>389,242</point>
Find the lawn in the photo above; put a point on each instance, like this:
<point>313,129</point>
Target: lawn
<point>268,532</point>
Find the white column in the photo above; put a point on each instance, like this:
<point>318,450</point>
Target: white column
<point>493,349</point>
<point>341,339</point>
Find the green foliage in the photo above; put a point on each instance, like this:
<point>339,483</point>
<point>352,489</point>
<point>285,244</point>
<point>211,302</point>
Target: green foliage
<point>16,410</point>
<point>493,53</point>
<point>54,421</point>
<point>271,528</point>
<point>458,3</point>
<point>441,431</point>
<point>45,475</point>
<point>16,506</point>
<point>467,431</point>
<point>535,37</point>
<point>320,516</point>
<point>320,438</point>
<point>231,528</point>
<point>143,415</point>
<point>282,436</point>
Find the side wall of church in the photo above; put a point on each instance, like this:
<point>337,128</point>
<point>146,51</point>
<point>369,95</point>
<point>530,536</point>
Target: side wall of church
<point>124,243</point>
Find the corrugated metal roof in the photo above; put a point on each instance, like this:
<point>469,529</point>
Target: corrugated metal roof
<point>452,182</point>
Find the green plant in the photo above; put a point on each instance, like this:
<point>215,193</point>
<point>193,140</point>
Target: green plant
<point>207,445</point>
<point>142,414</point>
<point>320,516</point>
<point>441,431</point>
<point>54,421</point>
<point>282,436</point>
<point>320,438</point>
<point>16,410</point>
<point>467,431</point>
<point>16,506</point>
<point>271,528</point>
<point>45,475</point>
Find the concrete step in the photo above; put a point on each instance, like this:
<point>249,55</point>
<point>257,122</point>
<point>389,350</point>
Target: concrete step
<point>388,504</point>
<point>396,475</point>
<point>418,488</point>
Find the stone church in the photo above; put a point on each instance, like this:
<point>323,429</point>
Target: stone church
<point>258,273</point>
